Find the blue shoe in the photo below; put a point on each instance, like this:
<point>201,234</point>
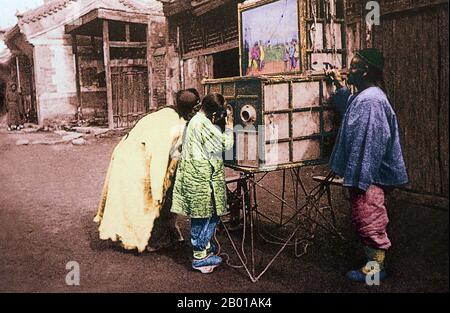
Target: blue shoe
<point>208,264</point>
<point>359,276</point>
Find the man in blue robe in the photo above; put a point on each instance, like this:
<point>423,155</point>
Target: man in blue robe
<point>368,155</point>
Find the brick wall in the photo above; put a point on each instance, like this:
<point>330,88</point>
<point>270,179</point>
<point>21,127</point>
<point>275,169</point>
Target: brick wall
<point>55,83</point>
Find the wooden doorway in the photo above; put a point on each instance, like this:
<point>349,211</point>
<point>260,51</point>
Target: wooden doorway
<point>125,61</point>
<point>129,94</point>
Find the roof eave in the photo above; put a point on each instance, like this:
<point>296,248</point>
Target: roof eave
<point>11,33</point>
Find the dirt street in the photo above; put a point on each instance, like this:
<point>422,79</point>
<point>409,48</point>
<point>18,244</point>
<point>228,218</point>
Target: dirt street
<point>49,195</point>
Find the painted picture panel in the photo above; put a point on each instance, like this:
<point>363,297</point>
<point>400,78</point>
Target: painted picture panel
<point>270,38</point>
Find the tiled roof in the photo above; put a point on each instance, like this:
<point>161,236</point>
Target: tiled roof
<point>129,4</point>
<point>44,10</point>
<point>54,6</point>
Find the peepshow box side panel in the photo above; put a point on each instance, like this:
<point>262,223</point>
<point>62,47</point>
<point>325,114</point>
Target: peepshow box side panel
<point>309,116</point>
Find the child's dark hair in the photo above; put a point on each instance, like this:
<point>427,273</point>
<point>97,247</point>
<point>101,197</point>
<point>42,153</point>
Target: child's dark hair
<point>195,92</point>
<point>186,100</point>
<point>214,103</point>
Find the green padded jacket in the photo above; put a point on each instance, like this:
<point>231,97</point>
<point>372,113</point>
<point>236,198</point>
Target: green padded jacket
<point>200,177</point>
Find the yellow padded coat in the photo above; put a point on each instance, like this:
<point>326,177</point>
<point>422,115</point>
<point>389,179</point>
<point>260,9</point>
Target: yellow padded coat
<point>140,172</point>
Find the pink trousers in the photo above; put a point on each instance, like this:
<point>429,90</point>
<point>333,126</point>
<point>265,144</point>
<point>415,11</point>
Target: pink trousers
<point>369,216</point>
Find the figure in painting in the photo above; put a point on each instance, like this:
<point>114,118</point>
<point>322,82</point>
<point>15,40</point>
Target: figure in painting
<point>255,56</point>
<point>286,57</point>
<point>262,55</point>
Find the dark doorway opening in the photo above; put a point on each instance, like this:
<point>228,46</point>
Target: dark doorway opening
<point>226,63</point>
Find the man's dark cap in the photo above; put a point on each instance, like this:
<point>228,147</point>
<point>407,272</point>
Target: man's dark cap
<point>372,56</point>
